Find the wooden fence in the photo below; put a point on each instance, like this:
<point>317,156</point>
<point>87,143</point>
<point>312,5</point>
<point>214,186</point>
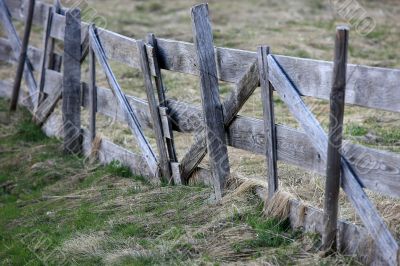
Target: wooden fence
<point>362,167</point>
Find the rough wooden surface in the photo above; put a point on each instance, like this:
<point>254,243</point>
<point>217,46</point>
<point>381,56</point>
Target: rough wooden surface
<point>71,92</point>
<point>333,169</point>
<point>124,105</point>
<point>92,94</point>
<point>212,108</point>
<point>350,182</point>
<point>155,114</point>
<point>167,127</point>
<point>269,120</point>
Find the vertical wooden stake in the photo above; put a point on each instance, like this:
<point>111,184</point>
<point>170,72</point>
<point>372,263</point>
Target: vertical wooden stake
<point>22,57</point>
<point>269,120</point>
<point>333,170</point>
<point>151,39</point>
<point>155,114</point>
<point>212,108</point>
<point>71,106</point>
<point>92,94</point>
<point>45,55</point>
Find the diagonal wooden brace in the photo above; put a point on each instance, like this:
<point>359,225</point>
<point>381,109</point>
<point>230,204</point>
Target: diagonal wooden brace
<point>231,106</point>
<point>350,182</point>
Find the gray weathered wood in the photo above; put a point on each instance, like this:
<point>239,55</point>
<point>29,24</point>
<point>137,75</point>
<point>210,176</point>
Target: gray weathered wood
<point>231,106</point>
<point>92,94</point>
<point>350,182</point>
<point>269,121</point>
<point>212,108</point>
<point>46,55</point>
<point>127,110</point>
<point>19,52</point>
<point>155,114</point>
<point>167,127</point>
<point>333,169</point>
<point>71,106</point>
<point>176,173</point>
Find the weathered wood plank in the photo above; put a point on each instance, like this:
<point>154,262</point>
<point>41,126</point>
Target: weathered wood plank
<point>269,121</point>
<point>333,169</point>
<point>17,48</point>
<point>212,108</point>
<point>155,114</point>
<point>124,105</point>
<point>167,127</point>
<point>92,94</point>
<point>71,106</point>
<point>46,55</point>
<point>350,183</point>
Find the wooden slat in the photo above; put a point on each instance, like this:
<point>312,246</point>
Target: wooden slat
<point>155,114</point>
<point>350,183</point>
<point>167,127</point>
<point>269,121</point>
<point>92,94</point>
<point>212,108</point>
<point>379,170</point>
<point>16,46</point>
<point>71,107</point>
<point>124,105</point>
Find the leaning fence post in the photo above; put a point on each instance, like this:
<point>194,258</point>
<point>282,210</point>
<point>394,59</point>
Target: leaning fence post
<point>212,107</point>
<point>22,57</point>
<point>333,168</point>
<point>269,120</point>
<point>92,93</point>
<point>71,106</point>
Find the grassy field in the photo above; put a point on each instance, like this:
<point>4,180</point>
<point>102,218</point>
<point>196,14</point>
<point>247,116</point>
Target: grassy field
<point>57,209</point>
<point>90,203</point>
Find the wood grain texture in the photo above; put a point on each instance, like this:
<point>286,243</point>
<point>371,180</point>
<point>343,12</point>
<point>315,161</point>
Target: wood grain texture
<point>155,114</point>
<point>167,127</point>
<point>336,114</point>
<point>92,94</point>
<point>71,107</point>
<point>350,182</point>
<point>123,103</point>
<point>269,121</point>
<point>212,108</point>
<point>16,45</point>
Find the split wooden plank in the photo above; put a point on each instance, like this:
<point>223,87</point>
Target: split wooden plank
<point>92,94</point>
<point>231,106</point>
<point>17,48</point>
<point>350,182</point>
<point>155,114</point>
<point>168,134</point>
<point>269,121</point>
<point>333,169</point>
<point>212,108</point>
<point>46,55</point>
<point>71,106</point>
<point>124,105</point>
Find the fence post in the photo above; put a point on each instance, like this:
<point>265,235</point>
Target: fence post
<point>71,107</point>
<point>92,93</point>
<point>269,120</point>
<point>333,164</point>
<point>154,111</point>
<point>212,107</point>
<point>22,58</point>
